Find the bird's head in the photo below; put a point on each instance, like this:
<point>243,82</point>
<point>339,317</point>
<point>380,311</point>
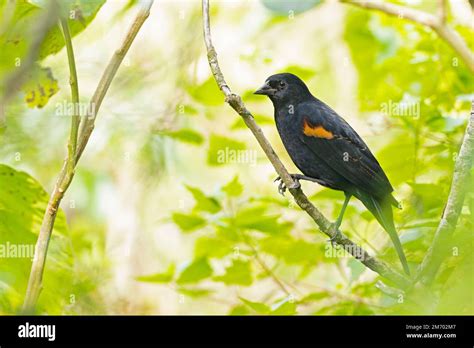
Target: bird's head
<point>284,88</point>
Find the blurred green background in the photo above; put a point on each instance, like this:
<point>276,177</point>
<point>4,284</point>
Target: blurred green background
<point>173,209</point>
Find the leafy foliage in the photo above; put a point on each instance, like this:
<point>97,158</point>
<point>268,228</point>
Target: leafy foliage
<point>18,34</point>
<point>22,205</point>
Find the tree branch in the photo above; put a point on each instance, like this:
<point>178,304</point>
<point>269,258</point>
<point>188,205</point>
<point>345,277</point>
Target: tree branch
<point>71,158</point>
<point>87,123</point>
<point>66,175</point>
<point>325,226</point>
<point>459,185</point>
<point>437,23</point>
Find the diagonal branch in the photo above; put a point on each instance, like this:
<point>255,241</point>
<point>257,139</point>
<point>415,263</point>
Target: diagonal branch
<point>87,123</point>
<point>300,198</point>
<point>437,23</point>
<point>67,173</point>
<point>459,185</point>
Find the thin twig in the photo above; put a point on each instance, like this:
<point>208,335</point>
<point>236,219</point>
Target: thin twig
<point>71,158</point>
<point>267,269</point>
<point>65,176</point>
<point>437,23</point>
<point>442,10</point>
<point>87,123</point>
<point>459,185</point>
<point>325,226</point>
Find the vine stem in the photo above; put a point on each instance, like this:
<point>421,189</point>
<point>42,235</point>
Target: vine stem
<point>76,146</point>
<point>300,198</point>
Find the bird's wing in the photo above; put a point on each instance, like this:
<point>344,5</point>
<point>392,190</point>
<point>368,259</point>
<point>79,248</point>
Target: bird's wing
<point>334,141</point>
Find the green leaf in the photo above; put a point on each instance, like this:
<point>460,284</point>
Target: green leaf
<point>79,13</point>
<point>212,247</point>
<point>17,40</point>
<point>285,307</point>
<point>207,93</point>
<point>255,218</point>
<point>260,308</point>
<point>165,277</point>
<point>194,292</point>
<point>185,135</point>
<point>238,273</point>
<point>233,188</point>
<point>224,150</point>
<point>188,222</point>
<point>40,87</point>
<point>292,251</point>
<point>22,205</point>
<point>203,202</point>
<point>195,272</point>
<point>314,297</point>
<point>239,310</point>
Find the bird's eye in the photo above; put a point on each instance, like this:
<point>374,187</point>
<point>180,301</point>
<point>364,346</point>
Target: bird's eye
<point>282,84</point>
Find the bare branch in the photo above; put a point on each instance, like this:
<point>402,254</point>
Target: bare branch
<point>459,185</point>
<point>66,175</point>
<point>87,123</point>
<point>325,226</point>
<point>437,23</point>
<point>442,10</point>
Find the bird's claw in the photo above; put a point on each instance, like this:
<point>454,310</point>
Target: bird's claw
<point>282,187</point>
<point>335,238</point>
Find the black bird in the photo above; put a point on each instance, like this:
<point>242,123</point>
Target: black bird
<point>330,152</point>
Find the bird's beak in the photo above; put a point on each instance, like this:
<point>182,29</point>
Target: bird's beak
<point>265,90</point>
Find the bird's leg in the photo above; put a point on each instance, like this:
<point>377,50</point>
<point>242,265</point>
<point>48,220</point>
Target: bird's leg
<point>338,222</point>
<point>296,178</point>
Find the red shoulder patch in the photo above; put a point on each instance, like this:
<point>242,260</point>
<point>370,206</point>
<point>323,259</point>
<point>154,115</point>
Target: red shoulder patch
<point>316,131</point>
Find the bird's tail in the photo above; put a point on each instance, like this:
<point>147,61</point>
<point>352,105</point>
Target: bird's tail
<point>382,210</point>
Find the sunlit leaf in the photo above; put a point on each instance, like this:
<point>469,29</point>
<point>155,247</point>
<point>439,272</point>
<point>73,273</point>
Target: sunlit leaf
<point>260,308</point>
<point>207,93</point>
<point>195,272</point>
<point>22,205</point>
<point>238,273</point>
<point>159,277</point>
<point>203,202</point>
<point>212,247</point>
<point>287,306</point>
<point>188,222</point>
<point>185,135</point>
<point>233,188</point>
<point>194,292</point>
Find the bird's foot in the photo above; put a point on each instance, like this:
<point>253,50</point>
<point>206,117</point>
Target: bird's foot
<point>336,237</point>
<point>282,187</point>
